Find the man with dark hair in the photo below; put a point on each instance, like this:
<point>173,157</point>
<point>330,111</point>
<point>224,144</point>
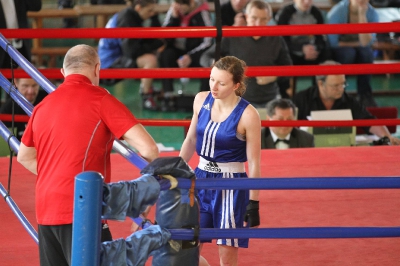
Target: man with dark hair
<point>13,15</point>
<point>284,137</point>
<point>30,89</point>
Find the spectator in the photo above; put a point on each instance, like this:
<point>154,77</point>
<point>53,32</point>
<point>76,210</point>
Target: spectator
<point>185,52</point>
<point>68,22</point>
<point>354,48</point>
<point>304,49</point>
<point>284,137</point>
<point>256,51</point>
<point>225,132</point>
<point>329,94</point>
<point>71,131</point>
<point>13,15</point>
<point>133,52</point>
<point>31,91</point>
<point>232,13</point>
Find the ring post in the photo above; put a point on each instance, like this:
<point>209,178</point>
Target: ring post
<point>86,227</point>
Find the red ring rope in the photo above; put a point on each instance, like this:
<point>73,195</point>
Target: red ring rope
<point>264,123</point>
<point>136,73</point>
<point>195,32</point>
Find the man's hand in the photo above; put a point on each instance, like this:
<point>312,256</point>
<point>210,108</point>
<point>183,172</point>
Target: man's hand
<point>239,20</point>
<point>394,140</point>
<point>362,7</point>
<point>184,61</point>
<point>175,9</point>
<point>265,80</point>
<point>310,52</point>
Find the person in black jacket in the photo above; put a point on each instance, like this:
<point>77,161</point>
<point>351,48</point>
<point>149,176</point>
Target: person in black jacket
<point>185,52</point>
<point>9,10</point>
<point>232,13</point>
<point>304,49</point>
<point>30,89</point>
<point>284,137</point>
<point>133,52</point>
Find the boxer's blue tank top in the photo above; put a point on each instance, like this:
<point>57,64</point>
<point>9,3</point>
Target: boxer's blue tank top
<point>218,142</point>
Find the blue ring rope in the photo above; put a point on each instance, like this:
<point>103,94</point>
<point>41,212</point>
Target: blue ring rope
<point>32,232</point>
<point>294,183</point>
<point>288,233</point>
<point>6,134</point>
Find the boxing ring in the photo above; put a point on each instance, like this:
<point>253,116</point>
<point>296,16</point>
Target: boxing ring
<point>315,183</point>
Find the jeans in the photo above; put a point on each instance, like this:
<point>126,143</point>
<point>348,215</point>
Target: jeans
<point>356,55</point>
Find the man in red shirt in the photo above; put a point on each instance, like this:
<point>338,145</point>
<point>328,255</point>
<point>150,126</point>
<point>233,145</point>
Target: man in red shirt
<point>72,130</point>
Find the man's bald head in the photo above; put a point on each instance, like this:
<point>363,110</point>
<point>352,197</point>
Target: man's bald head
<point>82,59</point>
<point>79,58</point>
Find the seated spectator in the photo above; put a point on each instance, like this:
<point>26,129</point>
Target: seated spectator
<point>284,137</point>
<point>185,52</point>
<point>68,22</point>
<point>256,51</point>
<point>304,49</point>
<point>13,15</point>
<point>30,89</point>
<point>232,13</point>
<point>354,48</point>
<point>135,52</point>
<point>329,94</point>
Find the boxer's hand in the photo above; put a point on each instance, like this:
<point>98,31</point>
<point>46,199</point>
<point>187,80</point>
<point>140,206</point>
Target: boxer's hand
<point>252,216</point>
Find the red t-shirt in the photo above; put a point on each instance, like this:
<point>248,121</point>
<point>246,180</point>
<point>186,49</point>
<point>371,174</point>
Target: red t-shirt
<point>73,130</point>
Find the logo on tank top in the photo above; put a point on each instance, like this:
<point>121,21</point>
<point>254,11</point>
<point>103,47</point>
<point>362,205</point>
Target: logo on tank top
<point>212,167</point>
<point>207,106</point>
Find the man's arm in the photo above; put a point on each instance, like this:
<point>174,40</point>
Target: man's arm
<point>140,139</point>
<point>207,58</point>
<point>27,157</point>
<point>364,38</point>
<point>336,15</point>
